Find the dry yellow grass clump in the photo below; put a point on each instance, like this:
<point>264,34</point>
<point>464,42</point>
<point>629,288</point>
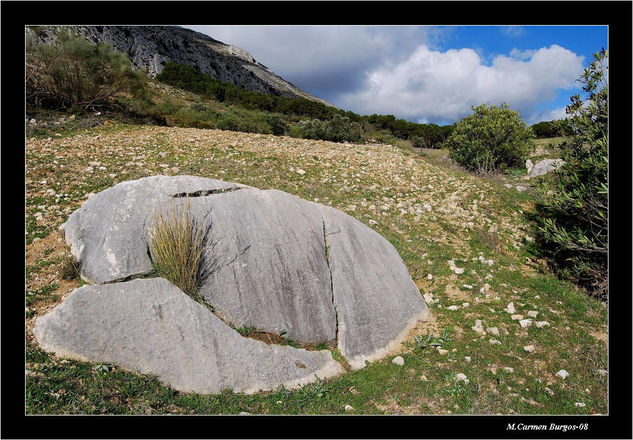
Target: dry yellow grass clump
<point>176,244</point>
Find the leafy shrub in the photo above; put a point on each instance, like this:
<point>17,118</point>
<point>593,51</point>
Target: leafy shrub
<point>277,124</point>
<point>491,139</point>
<point>545,129</point>
<point>338,129</point>
<point>71,72</point>
<point>176,244</point>
<point>418,141</point>
<point>572,230</point>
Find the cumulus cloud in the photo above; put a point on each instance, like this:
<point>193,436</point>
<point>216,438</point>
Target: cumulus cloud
<point>443,86</point>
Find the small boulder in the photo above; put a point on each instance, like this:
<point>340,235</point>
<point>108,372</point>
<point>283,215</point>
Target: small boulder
<point>545,166</point>
<point>398,360</point>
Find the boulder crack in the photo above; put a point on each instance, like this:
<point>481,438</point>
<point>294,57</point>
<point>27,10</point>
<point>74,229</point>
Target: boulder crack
<point>327,260</point>
<point>206,192</point>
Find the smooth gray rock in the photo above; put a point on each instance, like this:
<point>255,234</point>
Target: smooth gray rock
<point>376,300</point>
<point>268,267</point>
<point>273,261</point>
<point>150,326</point>
<point>107,235</point>
<point>545,166</point>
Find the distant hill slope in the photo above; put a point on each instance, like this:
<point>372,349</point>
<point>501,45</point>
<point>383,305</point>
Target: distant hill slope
<point>151,47</point>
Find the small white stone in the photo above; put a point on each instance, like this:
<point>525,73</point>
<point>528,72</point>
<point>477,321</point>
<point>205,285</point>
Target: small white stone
<point>532,313</point>
<point>494,342</point>
<point>478,329</point>
<point>562,374</point>
<point>525,323</point>
<point>453,308</point>
<point>398,360</point>
<point>423,378</point>
<point>579,405</point>
<point>540,324</point>
<point>517,317</point>
<point>493,331</point>
<point>510,309</point>
<point>602,372</point>
<point>300,171</point>
<point>427,298</point>
<point>467,286</point>
<point>478,323</point>
<point>465,304</point>
<point>429,277</point>
<point>490,262</point>
<point>508,369</point>
<point>349,408</point>
<point>549,391</point>
<point>468,358</point>
<point>441,351</point>
<point>458,270</point>
<point>461,377</point>
<point>529,348</point>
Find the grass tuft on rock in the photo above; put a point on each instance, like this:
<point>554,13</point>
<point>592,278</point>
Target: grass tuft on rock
<point>176,245</point>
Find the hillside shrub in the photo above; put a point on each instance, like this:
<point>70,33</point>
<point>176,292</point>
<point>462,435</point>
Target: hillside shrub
<point>338,129</point>
<point>545,129</point>
<point>418,142</point>
<point>277,124</point>
<point>72,72</point>
<point>573,222</point>
<point>491,139</point>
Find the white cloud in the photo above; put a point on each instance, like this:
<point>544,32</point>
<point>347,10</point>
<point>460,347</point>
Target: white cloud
<point>443,86</point>
<point>513,31</point>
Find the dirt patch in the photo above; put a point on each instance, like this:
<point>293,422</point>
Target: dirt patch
<point>600,335</point>
<point>455,293</point>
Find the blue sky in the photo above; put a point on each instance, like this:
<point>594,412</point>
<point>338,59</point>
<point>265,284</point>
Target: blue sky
<point>426,73</point>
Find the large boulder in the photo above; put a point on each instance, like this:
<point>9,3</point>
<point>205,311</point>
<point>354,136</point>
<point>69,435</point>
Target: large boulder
<point>274,262</point>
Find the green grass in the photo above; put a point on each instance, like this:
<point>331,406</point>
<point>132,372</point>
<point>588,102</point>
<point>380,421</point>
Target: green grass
<point>425,240</point>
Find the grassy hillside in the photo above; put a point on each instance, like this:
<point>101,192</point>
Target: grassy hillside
<point>429,209</point>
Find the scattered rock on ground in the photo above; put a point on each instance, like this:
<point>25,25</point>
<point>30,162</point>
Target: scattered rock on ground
<point>398,360</point>
<point>562,374</point>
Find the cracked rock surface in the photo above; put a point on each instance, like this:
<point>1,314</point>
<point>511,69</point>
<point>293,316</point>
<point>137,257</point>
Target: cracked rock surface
<point>275,262</point>
<point>149,325</point>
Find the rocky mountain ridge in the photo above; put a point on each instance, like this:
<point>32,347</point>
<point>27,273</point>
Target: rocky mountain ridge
<point>151,47</point>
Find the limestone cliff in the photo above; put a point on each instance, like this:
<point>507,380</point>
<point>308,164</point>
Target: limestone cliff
<point>151,47</point>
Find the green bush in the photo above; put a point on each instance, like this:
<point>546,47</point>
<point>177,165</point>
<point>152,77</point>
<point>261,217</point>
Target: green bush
<point>573,222</point>
<point>491,139</point>
<point>338,129</point>
<point>71,72</point>
<point>277,124</point>
<point>418,141</point>
<point>545,129</point>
